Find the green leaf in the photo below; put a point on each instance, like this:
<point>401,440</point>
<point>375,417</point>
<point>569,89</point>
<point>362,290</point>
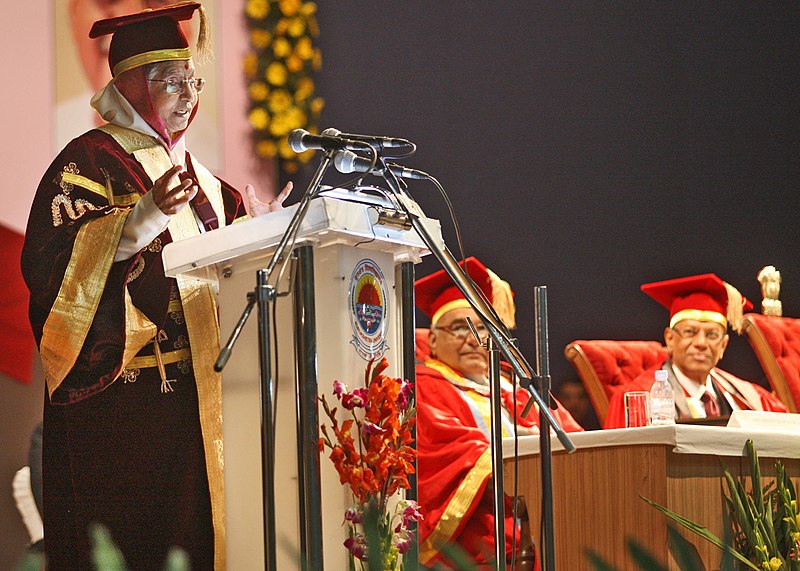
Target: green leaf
<point>643,558</point>
<point>598,562</point>
<point>32,562</point>
<point>177,560</point>
<point>105,555</point>
<point>701,531</point>
<point>683,551</point>
<point>456,555</point>
<point>739,513</point>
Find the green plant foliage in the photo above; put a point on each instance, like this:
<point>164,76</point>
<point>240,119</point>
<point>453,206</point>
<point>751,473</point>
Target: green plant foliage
<point>764,520</point>
<point>684,552</point>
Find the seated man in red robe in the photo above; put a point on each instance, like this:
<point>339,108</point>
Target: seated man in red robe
<point>701,309</point>
<point>454,420</point>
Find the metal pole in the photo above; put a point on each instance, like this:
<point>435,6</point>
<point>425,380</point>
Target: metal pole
<point>405,275</point>
<point>264,294</point>
<point>308,464</point>
<point>498,488</point>
<point>545,452</point>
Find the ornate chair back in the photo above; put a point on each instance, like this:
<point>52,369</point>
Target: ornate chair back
<point>604,365</point>
<point>776,342</point>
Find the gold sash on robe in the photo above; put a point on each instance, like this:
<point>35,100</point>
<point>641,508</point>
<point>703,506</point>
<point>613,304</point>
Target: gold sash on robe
<point>84,282</point>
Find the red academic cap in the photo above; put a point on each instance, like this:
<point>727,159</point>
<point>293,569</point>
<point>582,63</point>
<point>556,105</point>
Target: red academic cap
<point>436,294</point>
<point>703,298</point>
<point>150,36</point>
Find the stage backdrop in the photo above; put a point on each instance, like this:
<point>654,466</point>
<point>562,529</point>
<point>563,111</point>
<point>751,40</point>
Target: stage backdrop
<point>589,146</point>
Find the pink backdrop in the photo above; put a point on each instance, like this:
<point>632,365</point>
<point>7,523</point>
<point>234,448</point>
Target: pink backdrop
<point>27,117</point>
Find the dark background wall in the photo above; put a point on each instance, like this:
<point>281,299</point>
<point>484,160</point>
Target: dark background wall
<point>589,146</point>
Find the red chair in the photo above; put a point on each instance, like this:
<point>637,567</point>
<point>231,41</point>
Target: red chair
<point>421,350</point>
<point>603,365</point>
<point>776,342</point>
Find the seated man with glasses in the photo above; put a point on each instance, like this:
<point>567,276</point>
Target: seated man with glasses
<point>454,419</point>
<point>701,308</point>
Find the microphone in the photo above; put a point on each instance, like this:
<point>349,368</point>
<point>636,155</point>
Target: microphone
<point>301,140</point>
<point>374,141</point>
<point>347,162</point>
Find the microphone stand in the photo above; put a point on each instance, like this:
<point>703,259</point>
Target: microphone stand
<point>497,330</point>
<point>545,451</point>
<point>497,454</point>
<point>262,296</point>
<point>501,339</point>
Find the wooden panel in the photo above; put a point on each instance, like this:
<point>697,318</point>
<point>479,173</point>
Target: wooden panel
<point>596,501</point>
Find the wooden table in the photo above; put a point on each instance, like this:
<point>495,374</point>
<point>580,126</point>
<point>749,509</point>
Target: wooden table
<point>596,489</point>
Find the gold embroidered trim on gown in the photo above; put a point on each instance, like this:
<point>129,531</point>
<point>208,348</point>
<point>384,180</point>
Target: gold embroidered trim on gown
<point>200,312</point>
<point>84,281</point>
<point>457,508</point>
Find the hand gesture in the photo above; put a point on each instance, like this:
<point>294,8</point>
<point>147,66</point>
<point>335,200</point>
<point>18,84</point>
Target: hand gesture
<point>172,200</point>
<point>258,208</point>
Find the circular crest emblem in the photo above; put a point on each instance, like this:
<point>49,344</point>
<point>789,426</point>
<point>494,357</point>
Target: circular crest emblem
<point>369,310</point>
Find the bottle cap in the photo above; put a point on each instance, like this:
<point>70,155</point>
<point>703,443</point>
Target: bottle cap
<point>661,375</point>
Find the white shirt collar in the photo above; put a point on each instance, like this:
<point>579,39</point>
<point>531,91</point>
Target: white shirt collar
<point>694,389</point>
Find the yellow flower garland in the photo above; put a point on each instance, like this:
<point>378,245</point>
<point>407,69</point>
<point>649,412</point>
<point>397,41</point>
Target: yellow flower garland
<point>279,69</point>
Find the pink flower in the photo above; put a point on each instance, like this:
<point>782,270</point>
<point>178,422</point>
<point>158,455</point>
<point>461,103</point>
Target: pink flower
<point>404,541</point>
<point>406,391</point>
<point>356,399</point>
<point>353,515</point>
<point>411,513</point>
<point>339,388</point>
<point>357,545</point>
<point>370,429</point>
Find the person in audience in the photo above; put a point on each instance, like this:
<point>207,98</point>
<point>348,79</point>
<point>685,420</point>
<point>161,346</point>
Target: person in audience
<point>701,308</point>
<point>454,418</point>
<point>572,395</point>
<point>132,416</point>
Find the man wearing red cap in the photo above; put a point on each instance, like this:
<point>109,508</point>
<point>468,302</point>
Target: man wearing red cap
<point>454,415</point>
<point>701,309</point>
<point>132,416</point>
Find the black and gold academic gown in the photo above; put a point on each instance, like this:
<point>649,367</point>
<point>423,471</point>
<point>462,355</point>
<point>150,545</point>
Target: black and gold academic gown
<point>132,416</point>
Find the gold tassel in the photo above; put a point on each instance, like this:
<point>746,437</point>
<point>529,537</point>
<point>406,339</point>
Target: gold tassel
<point>204,51</point>
<point>166,384</point>
<point>503,300</point>
<point>735,308</point>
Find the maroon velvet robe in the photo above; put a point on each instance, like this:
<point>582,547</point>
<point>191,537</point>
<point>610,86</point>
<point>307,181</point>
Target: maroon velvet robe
<point>117,450</point>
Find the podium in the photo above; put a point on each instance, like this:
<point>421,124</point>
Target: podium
<point>597,488</point>
<point>345,294</point>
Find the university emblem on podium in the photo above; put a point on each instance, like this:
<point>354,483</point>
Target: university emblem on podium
<point>369,312</point>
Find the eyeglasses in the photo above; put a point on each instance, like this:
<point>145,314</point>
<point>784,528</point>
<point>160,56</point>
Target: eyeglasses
<point>712,336</point>
<point>175,85</point>
<point>461,330</point>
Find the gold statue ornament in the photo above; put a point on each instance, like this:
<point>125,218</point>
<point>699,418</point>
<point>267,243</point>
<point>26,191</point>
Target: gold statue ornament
<point>770,280</point>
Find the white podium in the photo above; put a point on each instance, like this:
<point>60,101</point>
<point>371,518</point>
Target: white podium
<point>348,296</point>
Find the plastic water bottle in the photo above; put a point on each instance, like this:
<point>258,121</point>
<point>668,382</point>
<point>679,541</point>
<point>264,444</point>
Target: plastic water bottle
<point>662,401</point>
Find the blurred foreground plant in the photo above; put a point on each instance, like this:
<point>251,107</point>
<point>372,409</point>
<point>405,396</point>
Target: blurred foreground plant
<point>765,522</point>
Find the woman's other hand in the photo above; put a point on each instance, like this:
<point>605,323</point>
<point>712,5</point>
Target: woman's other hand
<point>258,208</point>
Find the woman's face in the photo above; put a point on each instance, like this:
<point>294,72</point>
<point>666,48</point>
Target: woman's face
<point>175,109</point>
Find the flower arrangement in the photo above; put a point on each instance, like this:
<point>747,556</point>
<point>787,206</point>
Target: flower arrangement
<point>371,450</point>
<point>279,69</point>
<point>765,520</point>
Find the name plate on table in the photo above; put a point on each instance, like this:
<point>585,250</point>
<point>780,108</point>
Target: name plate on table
<point>760,420</point>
